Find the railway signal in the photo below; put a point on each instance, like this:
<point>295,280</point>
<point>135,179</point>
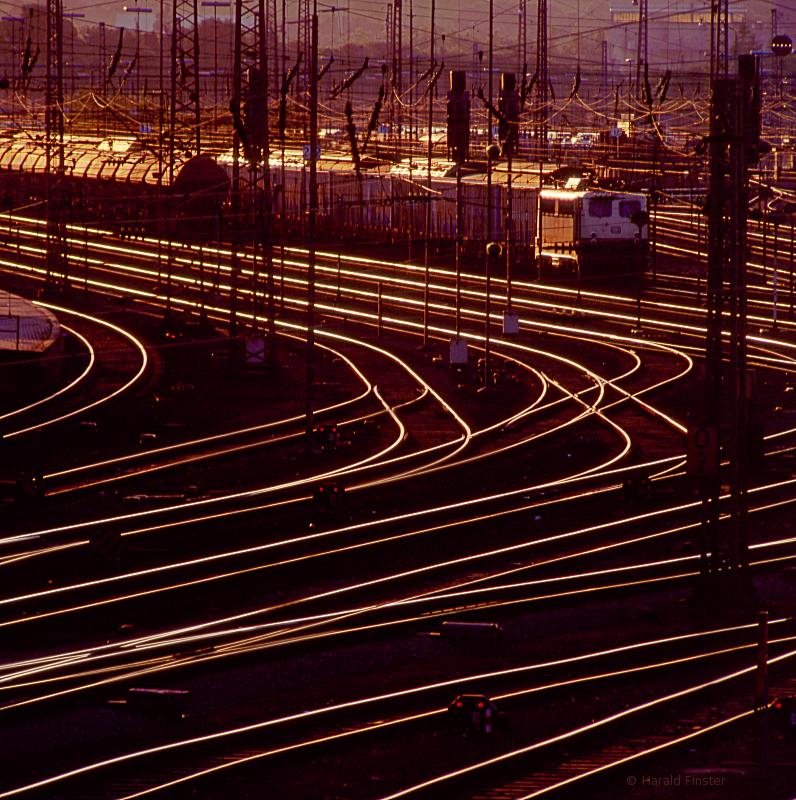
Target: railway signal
<point>474,711</point>
<point>782,45</point>
<point>326,437</point>
<point>255,116</point>
<point>702,454</point>
<point>509,108</point>
<point>328,496</point>
<point>458,120</point>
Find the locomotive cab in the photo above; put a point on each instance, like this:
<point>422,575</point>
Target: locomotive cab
<point>591,232</point>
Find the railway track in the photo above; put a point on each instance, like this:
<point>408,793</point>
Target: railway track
<point>113,362</point>
<point>270,749</point>
<point>386,571</point>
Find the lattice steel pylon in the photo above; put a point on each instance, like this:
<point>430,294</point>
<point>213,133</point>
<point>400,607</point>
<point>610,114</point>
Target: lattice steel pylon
<point>719,40</point>
<point>185,116</point>
<point>54,140</point>
<point>542,76</point>
<point>251,174</point>
<point>642,44</point>
<point>396,70</point>
<point>303,40</point>
<point>734,146</point>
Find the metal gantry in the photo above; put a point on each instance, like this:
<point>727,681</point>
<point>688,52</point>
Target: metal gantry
<point>303,40</point>
<point>396,71</point>
<point>251,174</point>
<point>185,117</point>
<point>54,137</point>
<point>734,145</point>
<point>542,76</point>
<point>719,40</point>
<point>642,44</point>
<point>312,218</point>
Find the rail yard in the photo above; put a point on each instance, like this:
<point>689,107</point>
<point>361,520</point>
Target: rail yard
<point>368,436</point>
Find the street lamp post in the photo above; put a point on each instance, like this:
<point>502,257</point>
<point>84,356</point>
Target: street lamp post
<point>137,10</point>
<point>215,5</point>
<point>629,62</point>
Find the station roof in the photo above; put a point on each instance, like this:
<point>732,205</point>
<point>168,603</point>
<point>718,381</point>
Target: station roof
<point>24,326</point>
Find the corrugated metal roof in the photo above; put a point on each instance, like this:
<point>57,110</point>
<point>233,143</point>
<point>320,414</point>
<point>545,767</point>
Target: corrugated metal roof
<point>118,159</point>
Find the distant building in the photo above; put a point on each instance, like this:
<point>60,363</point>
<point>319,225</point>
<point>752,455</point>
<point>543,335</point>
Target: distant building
<point>679,35</point>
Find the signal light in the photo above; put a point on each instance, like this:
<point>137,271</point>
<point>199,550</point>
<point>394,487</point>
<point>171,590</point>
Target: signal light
<point>325,437</point>
<point>328,496</point>
<point>782,45</point>
<point>474,711</point>
<point>494,250</point>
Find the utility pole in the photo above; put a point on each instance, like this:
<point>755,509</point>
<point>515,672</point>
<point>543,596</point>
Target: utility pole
<point>491,254</point>
<point>543,79</point>
<point>778,62</point>
<point>642,67</point>
<point>397,69</point>
<point>458,132</point>
<point>429,153</point>
<point>311,223</point>
<point>508,133</point>
<point>103,61</point>
<point>412,76</point>
<point>277,73</point>
<point>137,10</point>
<point>54,138</point>
<point>161,157</point>
<point>604,69</point>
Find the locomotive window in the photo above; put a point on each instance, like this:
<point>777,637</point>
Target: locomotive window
<point>566,208</point>
<point>548,205</point>
<point>628,207</point>
<point>600,207</point>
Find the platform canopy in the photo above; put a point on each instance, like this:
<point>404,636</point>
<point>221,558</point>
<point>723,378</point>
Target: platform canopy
<point>25,326</point>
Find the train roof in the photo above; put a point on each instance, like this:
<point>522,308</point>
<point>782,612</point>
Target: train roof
<point>567,194</point>
<point>294,159</point>
<point>121,159</point>
<point>523,174</point>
